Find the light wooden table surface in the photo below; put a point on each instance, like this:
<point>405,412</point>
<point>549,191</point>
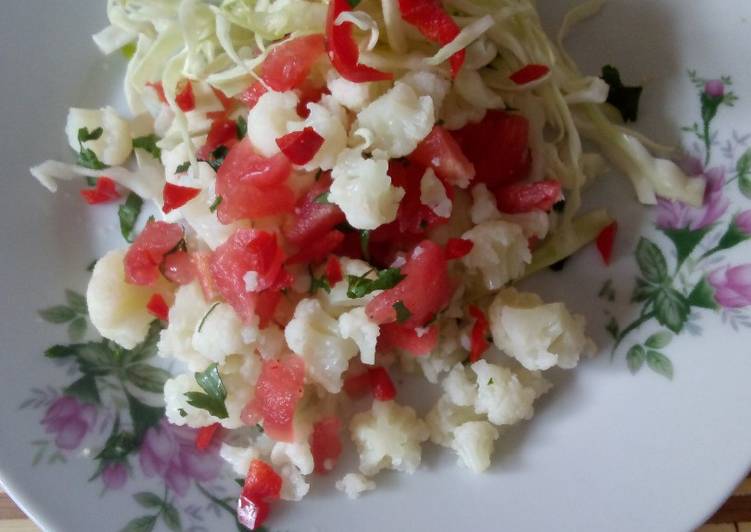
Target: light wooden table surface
<point>734,516</point>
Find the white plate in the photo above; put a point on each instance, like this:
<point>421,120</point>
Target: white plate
<point>608,450</point>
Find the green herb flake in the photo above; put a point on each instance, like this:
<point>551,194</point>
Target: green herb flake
<point>205,316</point>
<point>86,156</point>
<point>361,286</point>
<point>491,381</point>
<point>402,312</point>
<point>182,168</point>
<point>353,3</point>
<point>623,98</point>
<point>148,144</point>
<point>128,214</point>
<point>242,127</point>
<point>182,412</point>
<point>365,244</point>
<point>214,206</point>
<point>319,282</point>
<point>129,50</point>
<point>84,135</point>
<point>213,399</point>
<point>217,157</point>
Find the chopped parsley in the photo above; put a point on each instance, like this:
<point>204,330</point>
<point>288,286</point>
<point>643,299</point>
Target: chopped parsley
<point>318,282</point>
<point>182,168</point>
<point>182,412</point>
<point>242,127</point>
<point>148,143</point>
<point>213,399</point>
<point>214,206</point>
<point>361,286</point>
<point>322,198</point>
<point>491,381</point>
<point>86,156</point>
<point>129,50</point>
<point>128,214</point>
<point>217,157</point>
<point>365,243</point>
<point>203,320</point>
<point>623,98</point>
<point>402,312</point>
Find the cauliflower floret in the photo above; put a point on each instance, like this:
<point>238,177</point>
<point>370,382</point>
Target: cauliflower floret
<point>388,436</point>
<point>297,454</point>
<point>353,96</point>
<point>457,112</point>
<point>428,83</point>
<point>239,458</point>
<point>354,484</point>
<point>460,386</point>
<point>220,335</point>
<point>118,309</point>
<point>445,417</point>
<point>539,336</point>
<point>501,395</point>
<point>473,442</point>
<point>314,335</point>
<point>433,194</point>
<point>328,124</point>
<point>399,120</point>
<point>362,189</point>
<point>484,208</point>
<point>294,486</point>
<point>500,252</point>
<point>268,120</point>
<point>356,325</point>
<point>114,145</point>
<point>337,301</point>
<point>446,354</point>
<point>184,317</point>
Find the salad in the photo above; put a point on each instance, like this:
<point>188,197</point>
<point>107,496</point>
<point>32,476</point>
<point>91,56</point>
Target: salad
<point>346,192</point>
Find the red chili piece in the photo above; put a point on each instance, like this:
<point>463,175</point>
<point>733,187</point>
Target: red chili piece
<point>300,146</point>
<point>205,436</point>
<point>175,196</point>
<point>456,248</point>
<point>262,486</point>
<point>356,386</point>
<point>159,88</point>
<point>479,342</point>
<point>185,99</point>
<point>104,192</point>
<point>158,307</point>
<point>605,241</point>
<point>333,271</point>
<point>525,197</point>
<point>380,382</point>
<point>529,73</point>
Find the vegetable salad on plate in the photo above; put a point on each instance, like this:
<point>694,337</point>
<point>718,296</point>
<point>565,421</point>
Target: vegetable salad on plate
<point>346,192</point>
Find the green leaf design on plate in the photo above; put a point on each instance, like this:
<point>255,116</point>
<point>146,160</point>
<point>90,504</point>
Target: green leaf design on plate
<point>148,500</point>
<point>77,329</point>
<point>635,358</point>
<point>147,348</point>
<point>643,291</point>
<point>671,309</point>
<point>703,296</point>
<point>659,363</point>
<point>57,314</point>
<point>77,302</point>
<point>61,351</point>
<point>144,416</point>
<point>743,170</point>
<point>659,340</point>
<point>686,240</point>
<point>141,524</point>
<point>84,389</point>
<point>171,517</point>
<point>147,378</point>
<point>612,328</point>
<point>651,261</point>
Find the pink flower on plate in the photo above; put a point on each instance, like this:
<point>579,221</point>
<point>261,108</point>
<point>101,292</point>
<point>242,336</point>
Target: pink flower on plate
<point>70,420</point>
<point>714,88</point>
<point>170,452</point>
<point>732,286</point>
<point>677,215</point>
<point>114,476</point>
<point>743,222</point>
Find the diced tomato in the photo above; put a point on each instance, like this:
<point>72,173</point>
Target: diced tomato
<point>343,50</point>
<point>300,146</point>
<point>175,196</point>
<point>185,99</point>
<point>605,241</point>
<point>205,436</point>
<point>333,271</point>
<point>498,147</point>
<point>262,486</point>
<point>202,263</point>
<point>249,250</point>
<point>478,342</point>
<point>325,443</point>
<point>425,290</point>
<point>223,132</point>
<point>145,255</point>
<point>178,267</point>
<point>527,197</point>
<point>416,341</point>
<point>456,248</point>
<point>104,192</point>
<point>278,390</point>
<point>252,94</point>
<point>440,151</point>
<point>314,216</point>
<point>288,65</point>
<point>351,246</point>
<point>529,73</point>
<point>429,17</point>
<point>159,88</point>
<point>381,383</point>
<point>251,513</point>
<point>252,186</point>
<point>318,250</point>
<point>358,385</point>
<point>158,307</point>
<point>309,93</point>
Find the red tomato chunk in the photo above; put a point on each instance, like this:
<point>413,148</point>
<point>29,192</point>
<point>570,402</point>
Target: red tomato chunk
<point>325,444</point>
<point>178,267</point>
<point>479,342</point>
<point>158,307</point>
<point>300,146</point>
<point>288,65</point>
<point>380,382</point>
<point>416,341</point>
<point>527,197</point>
<point>145,255</point>
<point>105,191</point>
<point>440,151</point>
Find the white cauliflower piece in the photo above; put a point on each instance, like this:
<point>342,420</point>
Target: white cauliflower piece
<point>337,301</point>
<point>460,386</point>
<point>268,120</point>
<point>445,417</point>
<point>388,436</point>
<point>501,395</point>
<point>314,335</point>
<point>114,145</point>
<point>206,225</point>
<point>294,486</point>
<point>534,223</point>
<point>353,96</point>
<point>399,120</point>
<point>354,484</point>
<point>538,335</point>
<point>428,83</point>
<point>296,454</point>
<point>500,252</point>
<point>239,458</point>
<point>185,315</point>
<point>220,335</point>
<point>327,123</point>
<point>446,354</point>
<point>433,194</point>
<point>356,325</point>
<point>362,189</point>
<point>118,309</point>
<point>484,207</point>
<point>473,442</point>
<point>202,175</point>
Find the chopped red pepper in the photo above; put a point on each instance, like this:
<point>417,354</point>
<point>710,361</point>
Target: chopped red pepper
<point>605,241</point>
<point>262,486</point>
<point>251,513</point>
<point>252,94</point>
<point>525,197</point>
<point>356,386</point>
<point>300,146</point>
<point>159,88</point>
<point>223,132</point>
<point>479,342</point>
<point>158,307</point>
<point>333,271</point>
<point>529,73</point>
<point>380,382</point>
<point>185,99</point>
<point>309,93</point>
<point>429,17</point>
<point>103,192</point>
<point>205,436</point>
<point>342,48</point>
<point>325,443</point>
<point>175,196</point>
<point>227,102</point>
<point>456,248</point>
